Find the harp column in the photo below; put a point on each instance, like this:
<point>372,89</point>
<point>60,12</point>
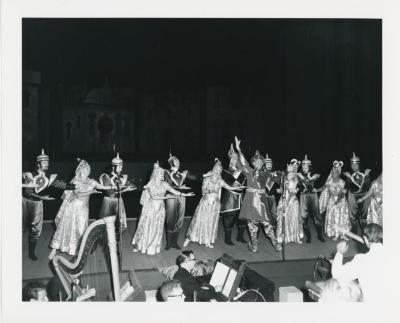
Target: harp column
<point>112,245</point>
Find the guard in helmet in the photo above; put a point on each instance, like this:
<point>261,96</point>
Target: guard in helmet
<point>36,186</point>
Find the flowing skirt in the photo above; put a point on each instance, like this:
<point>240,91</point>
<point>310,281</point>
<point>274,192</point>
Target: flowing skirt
<point>292,230</point>
<point>204,224</point>
<point>148,236</point>
<point>375,211</point>
<point>71,222</point>
<point>337,217</point>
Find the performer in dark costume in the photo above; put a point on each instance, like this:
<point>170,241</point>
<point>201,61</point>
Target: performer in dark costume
<point>357,184</point>
<point>112,203</point>
<point>33,197</point>
<point>255,205</point>
<point>175,208</point>
<point>309,204</point>
<point>272,186</point>
<point>231,201</point>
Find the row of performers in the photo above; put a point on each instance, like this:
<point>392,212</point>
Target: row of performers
<point>343,202</point>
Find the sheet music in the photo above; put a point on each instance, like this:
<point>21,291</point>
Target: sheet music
<point>229,283</point>
<point>219,274</point>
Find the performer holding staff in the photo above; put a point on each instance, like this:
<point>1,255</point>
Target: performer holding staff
<point>35,186</point>
<point>175,207</point>
<point>231,201</point>
<point>309,206</point>
<point>357,184</point>
<point>204,225</point>
<point>255,205</point>
<point>149,232</point>
<point>73,216</point>
<point>333,203</point>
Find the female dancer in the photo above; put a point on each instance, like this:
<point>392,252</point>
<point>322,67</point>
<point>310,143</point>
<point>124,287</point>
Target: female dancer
<point>72,217</point>
<point>334,203</point>
<point>289,221</point>
<point>375,204</point>
<point>149,232</point>
<point>204,225</point>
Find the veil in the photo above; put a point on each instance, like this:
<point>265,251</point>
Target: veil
<point>145,197</point>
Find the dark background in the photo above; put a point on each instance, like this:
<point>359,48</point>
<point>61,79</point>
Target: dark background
<point>289,87</point>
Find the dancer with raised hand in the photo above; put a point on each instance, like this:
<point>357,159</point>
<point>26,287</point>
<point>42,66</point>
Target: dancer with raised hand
<point>255,204</point>
<point>289,221</point>
<point>73,216</point>
<point>204,225</point>
<point>231,201</point>
<point>149,232</point>
<point>175,207</point>
<point>309,206</point>
<point>333,203</point>
<point>36,186</point>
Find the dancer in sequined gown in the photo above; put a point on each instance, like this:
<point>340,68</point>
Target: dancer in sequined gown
<point>333,203</point>
<point>289,221</point>
<point>374,195</point>
<point>204,225</point>
<point>149,232</point>
<point>73,216</point>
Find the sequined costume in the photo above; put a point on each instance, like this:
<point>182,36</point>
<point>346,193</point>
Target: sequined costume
<point>375,202</point>
<point>309,203</point>
<point>73,216</point>
<point>333,203</point>
<point>204,225</point>
<point>357,184</point>
<point>289,222</point>
<point>255,204</point>
<point>175,208</point>
<point>32,204</point>
<point>149,232</point>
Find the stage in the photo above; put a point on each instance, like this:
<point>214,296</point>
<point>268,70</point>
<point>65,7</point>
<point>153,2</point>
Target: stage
<point>144,263</point>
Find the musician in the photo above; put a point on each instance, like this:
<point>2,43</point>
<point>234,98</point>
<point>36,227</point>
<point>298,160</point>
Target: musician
<point>231,201</point>
<point>357,184</point>
<point>175,208</point>
<point>36,185</point>
<point>171,291</point>
<point>272,186</point>
<point>364,267</point>
<point>194,289</point>
<point>34,292</point>
<point>113,203</point>
<point>255,205</point>
<point>309,205</point>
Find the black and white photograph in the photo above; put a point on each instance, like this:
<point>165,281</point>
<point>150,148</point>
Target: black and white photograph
<point>199,160</point>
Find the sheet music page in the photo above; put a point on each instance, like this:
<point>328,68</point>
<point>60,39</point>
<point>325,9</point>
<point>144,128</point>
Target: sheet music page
<point>219,274</point>
<point>229,283</point>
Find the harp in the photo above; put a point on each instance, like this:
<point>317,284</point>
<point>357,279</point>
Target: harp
<point>70,273</point>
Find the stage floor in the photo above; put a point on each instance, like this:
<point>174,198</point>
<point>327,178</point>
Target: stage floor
<point>41,268</point>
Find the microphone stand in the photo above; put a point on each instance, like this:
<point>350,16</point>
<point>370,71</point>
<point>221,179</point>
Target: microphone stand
<point>283,217</point>
<point>119,223</point>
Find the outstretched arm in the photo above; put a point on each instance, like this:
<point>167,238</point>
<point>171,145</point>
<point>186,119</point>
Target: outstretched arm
<point>231,188</point>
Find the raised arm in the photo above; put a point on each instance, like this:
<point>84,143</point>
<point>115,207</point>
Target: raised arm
<point>242,159</point>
